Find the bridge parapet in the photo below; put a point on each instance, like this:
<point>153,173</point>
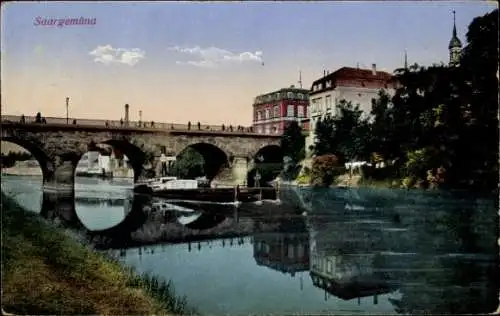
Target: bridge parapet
<point>136,124</point>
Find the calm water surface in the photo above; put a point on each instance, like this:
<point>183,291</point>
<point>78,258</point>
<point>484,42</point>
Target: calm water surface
<point>356,251</point>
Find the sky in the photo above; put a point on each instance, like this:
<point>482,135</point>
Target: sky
<point>181,61</point>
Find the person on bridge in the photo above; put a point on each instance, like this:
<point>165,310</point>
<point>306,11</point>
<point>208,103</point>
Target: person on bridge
<point>189,125</point>
<point>223,127</point>
<point>107,124</point>
<point>121,122</point>
<point>74,122</point>
<point>199,126</point>
<point>152,124</point>
<point>23,119</point>
<point>231,128</point>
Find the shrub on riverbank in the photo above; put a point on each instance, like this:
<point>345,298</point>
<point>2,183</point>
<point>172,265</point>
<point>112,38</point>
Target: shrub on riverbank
<point>44,271</point>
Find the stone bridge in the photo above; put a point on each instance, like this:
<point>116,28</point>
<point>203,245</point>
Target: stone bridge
<point>58,147</point>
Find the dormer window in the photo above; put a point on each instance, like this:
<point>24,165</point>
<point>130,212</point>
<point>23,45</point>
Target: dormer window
<point>289,95</point>
<point>277,96</point>
<point>320,86</point>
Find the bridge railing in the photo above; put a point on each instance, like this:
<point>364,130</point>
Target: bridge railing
<point>136,124</point>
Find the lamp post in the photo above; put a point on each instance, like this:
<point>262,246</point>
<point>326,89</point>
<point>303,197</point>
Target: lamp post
<point>67,110</point>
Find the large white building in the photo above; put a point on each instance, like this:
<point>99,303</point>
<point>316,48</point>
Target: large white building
<point>360,86</point>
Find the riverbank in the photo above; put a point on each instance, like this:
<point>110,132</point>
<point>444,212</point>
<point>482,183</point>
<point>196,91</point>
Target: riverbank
<point>15,171</point>
<point>46,271</point>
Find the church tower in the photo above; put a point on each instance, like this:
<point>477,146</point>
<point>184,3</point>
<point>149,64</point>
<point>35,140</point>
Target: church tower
<point>455,46</point>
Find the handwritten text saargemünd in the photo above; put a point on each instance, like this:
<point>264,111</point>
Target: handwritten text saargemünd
<point>60,22</point>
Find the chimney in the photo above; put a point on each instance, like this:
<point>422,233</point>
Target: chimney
<point>292,86</point>
<point>324,73</point>
<point>126,113</point>
<point>374,69</point>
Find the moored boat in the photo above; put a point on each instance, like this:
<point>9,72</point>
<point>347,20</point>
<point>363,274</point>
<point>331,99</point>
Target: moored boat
<point>190,190</point>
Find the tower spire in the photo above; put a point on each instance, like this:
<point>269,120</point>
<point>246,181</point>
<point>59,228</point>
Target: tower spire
<point>406,60</point>
<point>300,79</point>
<point>454,25</point>
<point>455,45</point>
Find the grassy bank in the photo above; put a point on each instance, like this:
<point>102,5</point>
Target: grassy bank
<point>45,271</point>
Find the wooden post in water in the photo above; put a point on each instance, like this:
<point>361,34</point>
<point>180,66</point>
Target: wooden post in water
<point>277,190</point>
<point>236,189</point>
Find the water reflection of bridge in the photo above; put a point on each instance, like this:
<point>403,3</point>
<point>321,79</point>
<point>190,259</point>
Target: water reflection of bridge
<point>437,251</point>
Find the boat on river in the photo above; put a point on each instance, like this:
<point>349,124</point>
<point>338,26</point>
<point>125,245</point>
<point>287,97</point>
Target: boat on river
<point>172,188</point>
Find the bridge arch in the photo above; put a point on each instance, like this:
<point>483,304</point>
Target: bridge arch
<point>268,163</point>
<point>136,156</point>
<point>215,159</point>
<point>42,157</point>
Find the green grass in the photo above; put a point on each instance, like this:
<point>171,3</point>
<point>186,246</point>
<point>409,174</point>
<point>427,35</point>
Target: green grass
<point>45,271</point>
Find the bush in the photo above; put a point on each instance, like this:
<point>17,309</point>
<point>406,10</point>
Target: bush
<point>324,169</point>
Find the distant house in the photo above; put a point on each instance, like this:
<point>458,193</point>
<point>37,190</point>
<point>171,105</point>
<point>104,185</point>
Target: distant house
<point>274,110</point>
<point>359,86</point>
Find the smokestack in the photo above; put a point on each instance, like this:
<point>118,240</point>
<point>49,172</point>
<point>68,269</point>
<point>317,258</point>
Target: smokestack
<point>126,113</point>
<point>324,73</point>
<point>374,69</point>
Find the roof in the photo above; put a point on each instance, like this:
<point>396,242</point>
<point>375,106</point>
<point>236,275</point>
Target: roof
<point>455,42</point>
<point>352,73</point>
<point>272,96</point>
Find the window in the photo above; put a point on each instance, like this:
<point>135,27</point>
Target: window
<point>268,114</point>
<point>328,101</point>
<point>300,111</point>
<point>291,251</point>
<point>328,83</point>
<point>259,115</point>
<point>329,266</point>
<point>277,96</point>
<point>276,111</point>
<point>277,129</point>
<point>259,130</point>
<point>289,111</point>
<point>290,95</point>
<point>268,129</point>
<point>300,96</point>
<point>320,86</point>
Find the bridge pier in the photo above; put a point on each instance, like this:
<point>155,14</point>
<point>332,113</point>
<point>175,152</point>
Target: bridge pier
<point>239,169</point>
<point>62,178</point>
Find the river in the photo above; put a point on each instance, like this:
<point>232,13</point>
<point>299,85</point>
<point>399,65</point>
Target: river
<point>336,251</point>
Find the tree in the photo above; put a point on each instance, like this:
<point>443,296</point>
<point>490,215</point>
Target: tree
<point>345,134</point>
<point>188,165</point>
<point>442,123</point>
<point>325,133</point>
<point>324,169</point>
<point>293,142</point>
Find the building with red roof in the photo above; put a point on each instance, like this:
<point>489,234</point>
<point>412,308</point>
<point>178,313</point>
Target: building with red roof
<point>360,86</point>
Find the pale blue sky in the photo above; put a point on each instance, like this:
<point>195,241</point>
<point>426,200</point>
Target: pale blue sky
<point>53,62</point>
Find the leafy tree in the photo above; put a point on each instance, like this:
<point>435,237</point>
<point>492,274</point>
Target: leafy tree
<point>188,165</point>
<point>293,142</point>
<point>293,146</point>
<point>345,134</point>
<point>10,159</point>
<point>442,123</point>
<point>324,169</point>
<point>324,142</point>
